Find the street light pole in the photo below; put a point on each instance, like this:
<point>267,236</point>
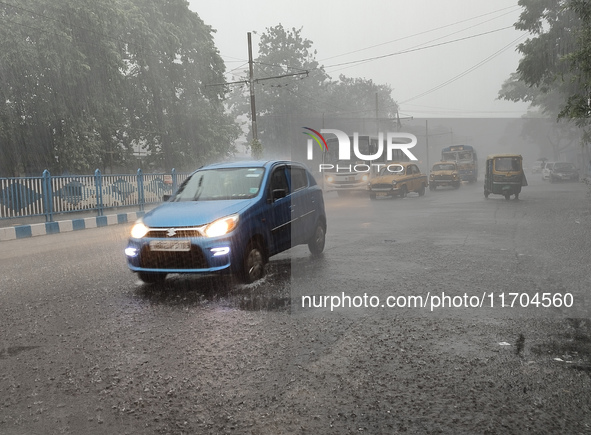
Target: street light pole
<point>253,112</point>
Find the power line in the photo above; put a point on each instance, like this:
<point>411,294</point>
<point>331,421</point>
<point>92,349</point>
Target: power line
<point>429,31</point>
<point>418,49</point>
<point>462,74</point>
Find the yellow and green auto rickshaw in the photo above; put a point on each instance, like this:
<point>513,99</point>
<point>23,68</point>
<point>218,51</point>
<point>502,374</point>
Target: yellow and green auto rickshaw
<point>504,175</point>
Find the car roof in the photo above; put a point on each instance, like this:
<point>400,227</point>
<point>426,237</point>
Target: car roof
<point>248,164</point>
<point>494,156</point>
<point>402,163</point>
<point>444,162</point>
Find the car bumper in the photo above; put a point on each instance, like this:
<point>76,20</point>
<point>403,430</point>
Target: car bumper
<point>561,177</point>
<point>206,255</point>
<point>384,192</point>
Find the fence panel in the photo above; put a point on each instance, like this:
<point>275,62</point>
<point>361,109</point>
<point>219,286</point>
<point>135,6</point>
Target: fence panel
<point>50,195</point>
<point>21,197</point>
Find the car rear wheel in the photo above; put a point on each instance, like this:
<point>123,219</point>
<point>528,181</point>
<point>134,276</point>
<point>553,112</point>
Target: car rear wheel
<point>507,196</point>
<point>316,244</point>
<point>253,263</point>
<point>151,277</point>
<point>422,190</point>
<point>432,187</point>
<point>372,196</point>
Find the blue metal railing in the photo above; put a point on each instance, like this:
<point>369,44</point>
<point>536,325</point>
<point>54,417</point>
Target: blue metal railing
<point>49,195</point>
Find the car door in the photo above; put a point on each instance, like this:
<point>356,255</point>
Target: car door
<point>302,205</point>
<point>280,210</point>
<point>413,173</point>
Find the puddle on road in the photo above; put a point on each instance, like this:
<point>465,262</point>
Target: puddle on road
<point>272,293</point>
<point>571,346</point>
<point>14,351</point>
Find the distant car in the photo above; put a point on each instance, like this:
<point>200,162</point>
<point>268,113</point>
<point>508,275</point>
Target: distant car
<point>444,174</point>
<point>537,167</point>
<point>397,179</point>
<point>564,171</point>
<point>546,170</point>
<point>229,217</point>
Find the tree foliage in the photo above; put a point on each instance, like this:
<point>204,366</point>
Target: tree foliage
<point>291,84</point>
<point>554,72</point>
<point>88,83</point>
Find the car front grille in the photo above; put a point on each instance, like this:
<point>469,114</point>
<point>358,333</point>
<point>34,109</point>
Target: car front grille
<point>193,259</point>
<point>161,233</point>
<point>443,178</point>
<point>381,186</point>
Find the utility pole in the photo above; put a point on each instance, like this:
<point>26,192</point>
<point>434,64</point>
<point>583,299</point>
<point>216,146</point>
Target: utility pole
<point>427,142</point>
<point>253,112</point>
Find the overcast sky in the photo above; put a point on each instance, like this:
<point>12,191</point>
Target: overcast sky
<point>461,51</point>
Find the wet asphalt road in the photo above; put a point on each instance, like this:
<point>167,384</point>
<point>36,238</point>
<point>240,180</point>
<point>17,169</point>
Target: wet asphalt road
<point>87,348</point>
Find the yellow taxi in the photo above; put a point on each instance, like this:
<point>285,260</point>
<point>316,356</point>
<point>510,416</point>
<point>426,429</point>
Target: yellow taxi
<point>398,179</point>
<point>444,174</point>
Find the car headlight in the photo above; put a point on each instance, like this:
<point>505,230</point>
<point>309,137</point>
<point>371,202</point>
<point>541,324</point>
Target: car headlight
<point>431,176</point>
<point>365,178</point>
<point>139,230</point>
<point>330,179</point>
<point>221,226</point>
<point>393,182</point>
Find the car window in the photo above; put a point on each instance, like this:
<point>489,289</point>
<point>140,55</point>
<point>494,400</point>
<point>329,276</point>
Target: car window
<point>221,184</point>
<point>507,164</point>
<point>444,167</point>
<point>392,170</point>
<point>298,177</point>
<point>279,180</point>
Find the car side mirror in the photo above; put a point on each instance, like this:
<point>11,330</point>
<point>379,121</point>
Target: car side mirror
<point>166,197</point>
<point>278,194</point>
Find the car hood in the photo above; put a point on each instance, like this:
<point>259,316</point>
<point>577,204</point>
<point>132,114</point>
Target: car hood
<point>565,170</point>
<point>386,179</point>
<point>192,213</point>
<point>448,172</point>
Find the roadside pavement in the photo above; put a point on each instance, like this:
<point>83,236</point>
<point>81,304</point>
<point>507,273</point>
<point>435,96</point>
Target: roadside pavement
<point>21,228</point>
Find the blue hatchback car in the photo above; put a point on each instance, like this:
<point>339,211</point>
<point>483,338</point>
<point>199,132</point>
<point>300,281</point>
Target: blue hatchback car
<point>229,217</point>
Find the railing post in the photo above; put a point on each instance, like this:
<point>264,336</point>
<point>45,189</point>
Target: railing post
<point>140,189</point>
<point>98,184</point>
<point>174,182</point>
<point>47,196</point>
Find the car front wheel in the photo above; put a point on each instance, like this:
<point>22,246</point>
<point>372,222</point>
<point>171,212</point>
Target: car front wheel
<point>316,244</point>
<point>254,263</point>
<point>403,192</point>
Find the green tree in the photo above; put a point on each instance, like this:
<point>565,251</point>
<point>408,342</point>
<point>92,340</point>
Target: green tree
<point>356,97</point>
<point>554,72</point>
<point>85,82</point>
<point>171,57</point>
<point>291,88</point>
<point>288,82</point>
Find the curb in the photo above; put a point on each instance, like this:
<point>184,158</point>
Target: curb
<point>43,229</point>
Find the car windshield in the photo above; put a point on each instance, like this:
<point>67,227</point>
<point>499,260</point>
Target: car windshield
<point>392,170</point>
<point>444,167</point>
<point>564,166</point>
<point>221,184</point>
<point>507,164</point>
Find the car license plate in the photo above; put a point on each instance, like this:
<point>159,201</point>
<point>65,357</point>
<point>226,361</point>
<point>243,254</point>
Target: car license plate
<point>170,245</point>
<point>381,194</point>
<point>350,178</point>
